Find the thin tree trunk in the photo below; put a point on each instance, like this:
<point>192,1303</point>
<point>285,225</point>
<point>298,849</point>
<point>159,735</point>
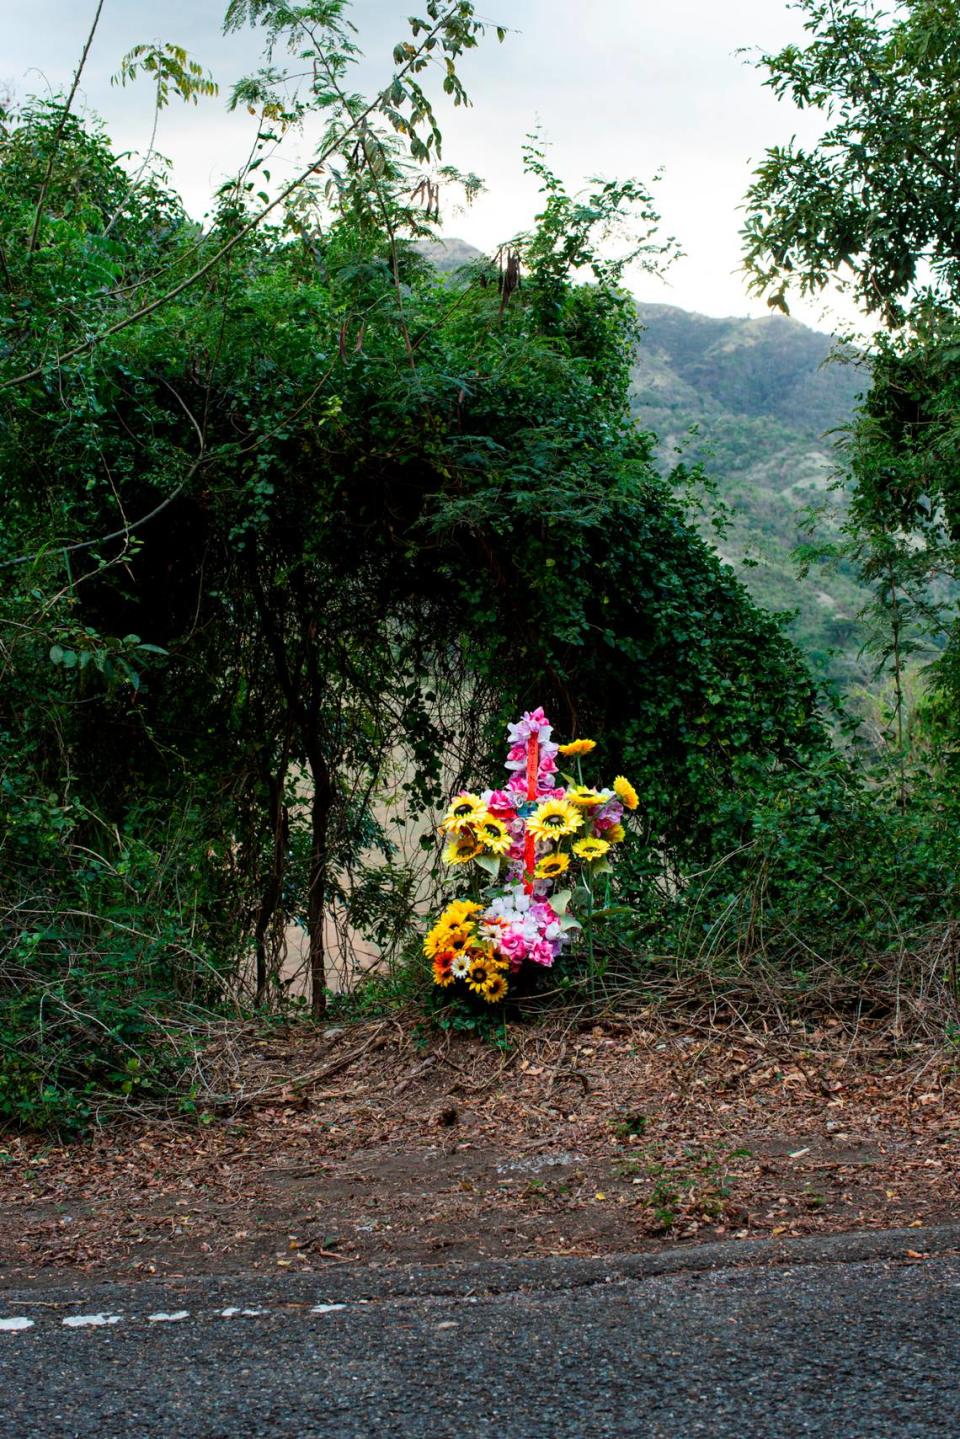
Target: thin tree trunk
<point>317,884</point>
<point>280,833</point>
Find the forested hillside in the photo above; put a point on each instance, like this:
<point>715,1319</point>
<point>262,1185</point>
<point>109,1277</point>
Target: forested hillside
<point>759,402</point>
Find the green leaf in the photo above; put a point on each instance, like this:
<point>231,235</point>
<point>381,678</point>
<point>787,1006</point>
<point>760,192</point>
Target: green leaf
<point>489,863</point>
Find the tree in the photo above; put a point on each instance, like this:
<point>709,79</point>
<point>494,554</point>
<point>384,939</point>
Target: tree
<point>874,207</point>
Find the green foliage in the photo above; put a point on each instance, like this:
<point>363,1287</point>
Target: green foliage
<point>875,205</point>
<point>290,515</point>
<point>293,525</point>
<point>820,885</point>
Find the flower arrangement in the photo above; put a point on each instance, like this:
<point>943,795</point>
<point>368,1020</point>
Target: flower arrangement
<point>544,829</point>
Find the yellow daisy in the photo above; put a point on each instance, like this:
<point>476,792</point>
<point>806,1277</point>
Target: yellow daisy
<point>463,811</point>
<point>590,849</point>
<point>495,989</point>
<point>492,834</point>
<point>552,866</point>
<point>463,849</point>
<point>584,797</point>
<point>553,819</point>
<point>578,746</point>
<point>626,792</point>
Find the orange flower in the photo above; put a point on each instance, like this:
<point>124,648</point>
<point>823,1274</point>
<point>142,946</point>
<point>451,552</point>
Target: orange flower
<point>443,968</point>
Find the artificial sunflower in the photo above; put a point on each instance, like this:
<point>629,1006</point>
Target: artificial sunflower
<point>458,911</point>
<point>625,790</point>
<point>584,797</point>
<point>496,989</point>
<point>482,971</point>
<point>435,941</point>
<point>551,866</point>
<point>554,819</point>
<point>578,746</point>
<point>615,834</point>
<point>463,811</point>
<point>590,849</point>
<point>459,937</point>
<point>492,834</point>
<point>462,849</point>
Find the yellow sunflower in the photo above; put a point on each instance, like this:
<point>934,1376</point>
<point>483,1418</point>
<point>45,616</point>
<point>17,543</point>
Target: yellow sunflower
<point>482,971</point>
<point>463,811</point>
<point>458,911</point>
<point>615,834</point>
<point>590,849</point>
<point>435,941</point>
<point>492,834</point>
<point>553,819</point>
<point>495,989</point>
<point>462,849</point>
<point>626,792</point>
<point>459,938</point>
<point>578,746</point>
<point>584,797</point>
<point>551,866</point>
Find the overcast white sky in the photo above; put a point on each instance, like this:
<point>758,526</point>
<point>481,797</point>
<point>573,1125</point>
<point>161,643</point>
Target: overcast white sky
<point>619,87</point>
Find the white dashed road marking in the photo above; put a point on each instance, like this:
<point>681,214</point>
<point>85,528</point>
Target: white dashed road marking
<point>16,1323</point>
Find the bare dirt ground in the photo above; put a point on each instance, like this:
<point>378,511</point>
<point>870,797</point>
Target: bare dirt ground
<point>354,1145</point>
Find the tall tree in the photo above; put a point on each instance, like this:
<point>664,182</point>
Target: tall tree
<point>874,209</point>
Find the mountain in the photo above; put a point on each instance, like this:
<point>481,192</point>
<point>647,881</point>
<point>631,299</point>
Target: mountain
<point>757,402</point>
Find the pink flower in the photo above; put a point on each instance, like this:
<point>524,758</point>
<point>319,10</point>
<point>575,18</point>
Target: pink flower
<point>513,945</point>
<point>610,814</point>
<point>533,722</point>
<point>541,953</point>
<point>501,804</point>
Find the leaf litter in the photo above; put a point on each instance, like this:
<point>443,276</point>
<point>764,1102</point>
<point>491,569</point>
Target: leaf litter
<point>358,1145</point>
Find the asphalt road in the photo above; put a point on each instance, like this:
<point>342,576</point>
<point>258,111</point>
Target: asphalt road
<point>849,1350</point>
